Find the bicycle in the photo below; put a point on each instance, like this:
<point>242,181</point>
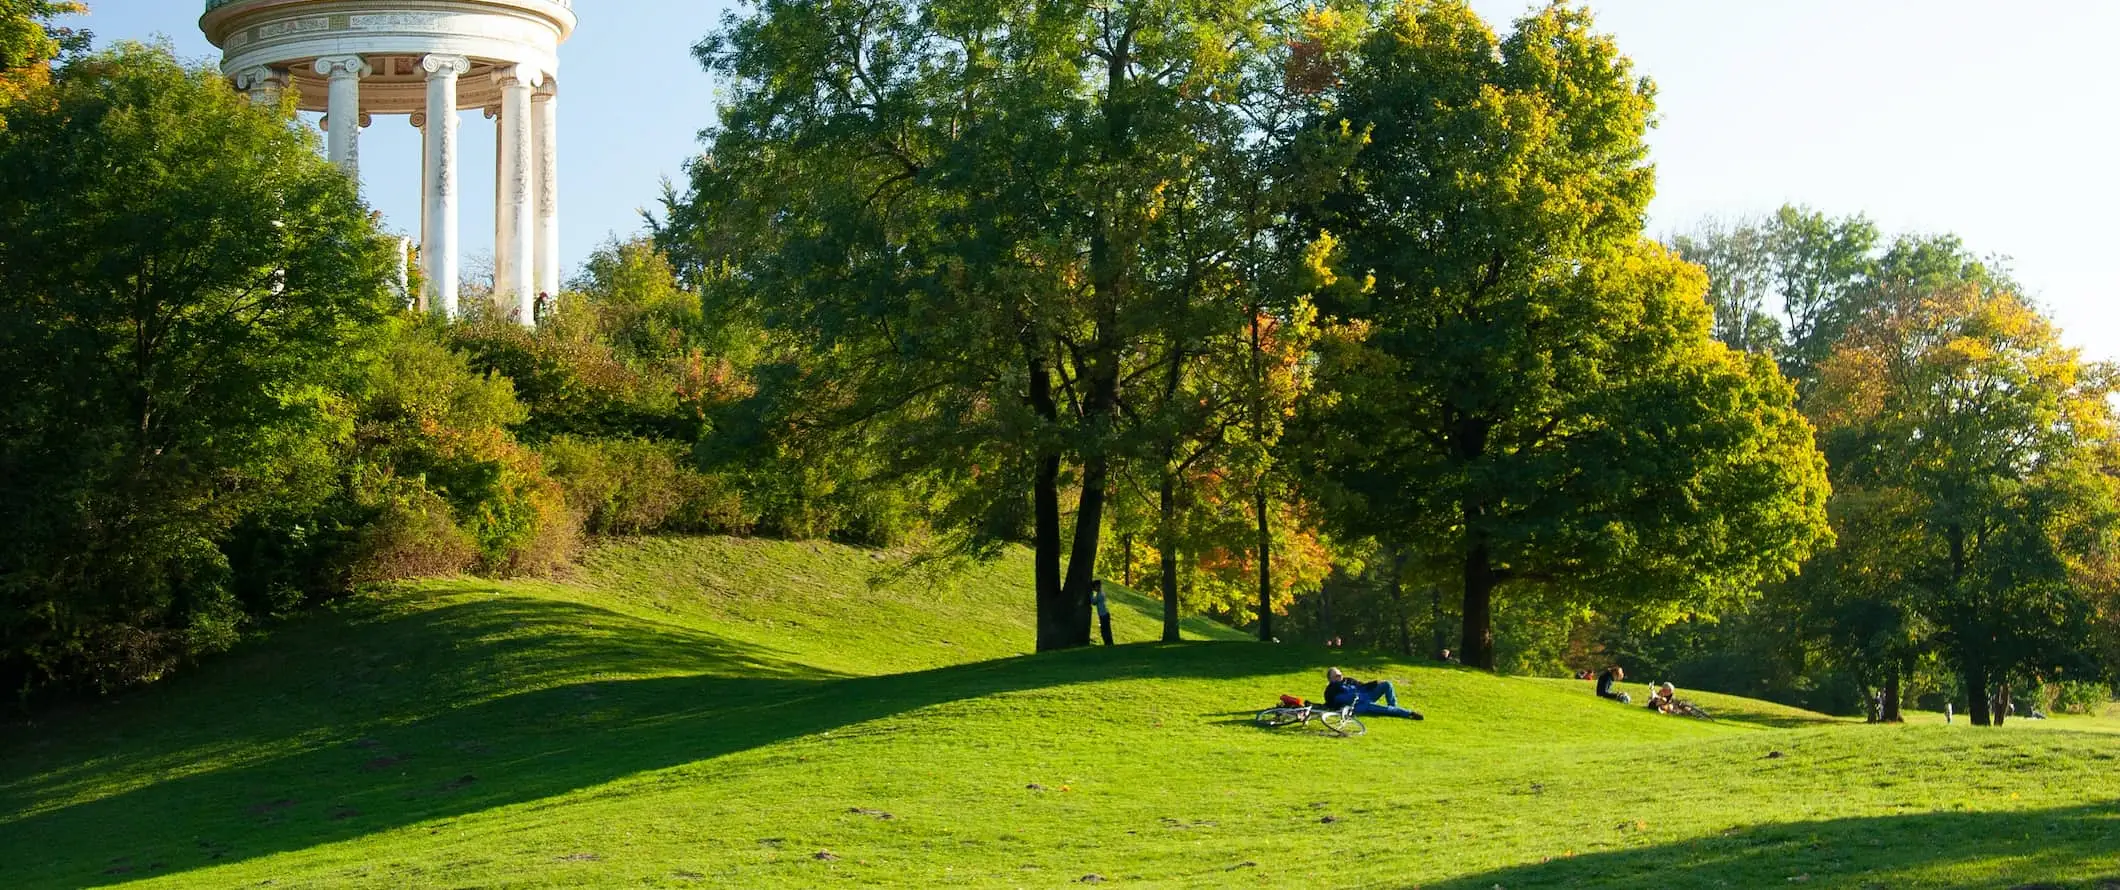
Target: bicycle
<point>1292,711</point>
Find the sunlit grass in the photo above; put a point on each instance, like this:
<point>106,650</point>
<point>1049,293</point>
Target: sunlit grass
<point>723,713</point>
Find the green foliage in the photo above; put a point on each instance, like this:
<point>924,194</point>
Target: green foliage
<point>1005,317</point>
<point>1982,448</point>
<point>434,434</point>
<point>183,286</point>
<point>1529,390</point>
<point>29,44</point>
<point>637,486</point>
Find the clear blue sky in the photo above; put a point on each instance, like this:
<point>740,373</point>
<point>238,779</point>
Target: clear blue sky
<point>1994,121</point>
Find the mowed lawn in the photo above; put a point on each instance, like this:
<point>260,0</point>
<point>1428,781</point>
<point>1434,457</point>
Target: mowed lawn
<point>711,712</point>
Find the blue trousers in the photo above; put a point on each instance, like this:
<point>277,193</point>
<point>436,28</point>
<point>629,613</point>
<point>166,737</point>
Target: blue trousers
<point>1366,701</point>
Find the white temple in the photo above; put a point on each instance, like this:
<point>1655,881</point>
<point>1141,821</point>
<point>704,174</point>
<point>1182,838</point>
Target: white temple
<point>429,59</point>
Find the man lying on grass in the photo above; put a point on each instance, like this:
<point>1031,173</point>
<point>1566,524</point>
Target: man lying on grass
<point>1342,690</point>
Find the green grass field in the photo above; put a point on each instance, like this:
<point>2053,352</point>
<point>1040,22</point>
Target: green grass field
<point>692,713</point>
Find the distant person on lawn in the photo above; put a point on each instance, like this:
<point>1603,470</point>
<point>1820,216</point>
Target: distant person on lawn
<point>1663,699</point>
<point>1104,612</point>
<point>1342,690</point>
<point>1609,679</point>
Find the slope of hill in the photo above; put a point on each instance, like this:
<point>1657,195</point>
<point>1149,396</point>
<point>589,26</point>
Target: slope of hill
<point>735,713</point>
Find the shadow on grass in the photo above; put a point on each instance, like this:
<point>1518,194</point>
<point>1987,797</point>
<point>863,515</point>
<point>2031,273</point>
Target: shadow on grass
<point>400,745</point>
<point>2050,849</point>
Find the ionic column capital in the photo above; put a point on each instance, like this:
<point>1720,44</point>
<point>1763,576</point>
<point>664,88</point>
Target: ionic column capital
<point>260,77</point>
<point>419,120</point>
<point>518,75</point>
<point>336,67</point>
<point>547,91</point>
<point>445,66</point>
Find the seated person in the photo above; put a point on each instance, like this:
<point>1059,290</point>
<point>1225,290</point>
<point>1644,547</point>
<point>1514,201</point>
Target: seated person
<point>1342,690</point>
<point>1605,681</point>
<point>1663,699</point>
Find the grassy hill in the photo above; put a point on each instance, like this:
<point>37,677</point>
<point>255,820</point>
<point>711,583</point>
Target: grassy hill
<point>726,713</point>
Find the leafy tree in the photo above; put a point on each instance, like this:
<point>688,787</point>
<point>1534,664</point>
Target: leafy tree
<point>1531,386</point>
<point>1958,406</point>
<point>183,286</point>
<point>962,213</point>
<point>1814,270</point>
<point>1740,279</point>
<point>29,44</point>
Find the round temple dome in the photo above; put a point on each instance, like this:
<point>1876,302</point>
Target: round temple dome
<point>428,60</point>
<point>282,39</point>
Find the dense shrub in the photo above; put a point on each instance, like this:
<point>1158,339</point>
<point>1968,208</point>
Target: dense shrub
<point>183,285</point>
<point>639,486</point>
<point>2076,697</point>
<point>432,432</point>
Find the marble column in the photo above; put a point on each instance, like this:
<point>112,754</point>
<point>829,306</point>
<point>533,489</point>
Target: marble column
<point>439,232</point>
<point>418,119</point>
<point>263,84</point>
<point>544,124</point>
<point>343,110</point>
<point>515,257</point>
<point>493,113</point>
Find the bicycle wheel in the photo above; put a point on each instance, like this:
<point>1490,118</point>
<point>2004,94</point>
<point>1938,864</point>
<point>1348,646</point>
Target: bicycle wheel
<point>1343,723</point>
<point>1280,716</point>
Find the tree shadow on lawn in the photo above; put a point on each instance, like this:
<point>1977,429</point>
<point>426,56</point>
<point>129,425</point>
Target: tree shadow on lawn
<point>378,772</point>
<point>2079,847</point>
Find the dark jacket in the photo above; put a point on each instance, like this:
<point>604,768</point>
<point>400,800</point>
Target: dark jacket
<point>1604,685</point>
<point>1343,692</point>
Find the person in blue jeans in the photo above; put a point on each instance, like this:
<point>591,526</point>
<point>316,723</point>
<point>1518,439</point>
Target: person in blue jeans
<point>1342,690</point>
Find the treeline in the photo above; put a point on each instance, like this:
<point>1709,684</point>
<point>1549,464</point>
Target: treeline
<point>1345,314</point>
<point>1256,290</point>
<point>1973,465</point>
<point>219,410</point>
<point>1339,322</point>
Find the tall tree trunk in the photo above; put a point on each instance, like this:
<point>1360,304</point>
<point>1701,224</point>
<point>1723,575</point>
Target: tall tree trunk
<point>1977,692</point>
<point>1468,444</point>
<point>1265,565</point>
<point>1477,635</point>
<point>1890,712</point>
<point>1053,614</point>
<point>1126,561</point>
<point>1082,560</point>
<point>2002,702</point>
<point>1975,658</point>
<point>1167,502</point>
<point>1167,548</point>
<point>1258,429</point>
